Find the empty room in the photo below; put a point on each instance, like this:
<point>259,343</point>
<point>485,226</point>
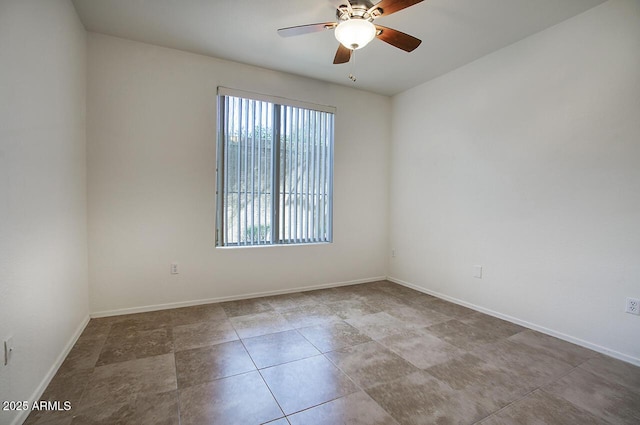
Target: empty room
<point>365,212</point>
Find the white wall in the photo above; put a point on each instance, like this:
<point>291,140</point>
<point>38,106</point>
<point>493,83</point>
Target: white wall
<point>43,240</point>
<point>151,158</point>
<point>527,162</point>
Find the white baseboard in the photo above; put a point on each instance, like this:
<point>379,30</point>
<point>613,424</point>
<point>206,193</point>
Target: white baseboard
<point>156,307</point>
<point>595,347</point>
<point>52,372</point>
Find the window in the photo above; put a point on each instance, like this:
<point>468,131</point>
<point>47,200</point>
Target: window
<point>275,171</point>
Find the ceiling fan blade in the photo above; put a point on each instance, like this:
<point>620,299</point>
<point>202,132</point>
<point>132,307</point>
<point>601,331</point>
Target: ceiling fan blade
<point>343,55</point>
<point>306,29</point>
<point>397,38</point>
<point>392,6</point>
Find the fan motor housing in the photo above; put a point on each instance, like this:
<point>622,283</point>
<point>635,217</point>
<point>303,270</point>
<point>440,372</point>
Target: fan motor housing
<point>359,10</point>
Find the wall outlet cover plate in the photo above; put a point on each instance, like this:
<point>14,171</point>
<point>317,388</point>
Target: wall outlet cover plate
<point>477,272</point>
<point>8,350</point>
<point>632,306</point>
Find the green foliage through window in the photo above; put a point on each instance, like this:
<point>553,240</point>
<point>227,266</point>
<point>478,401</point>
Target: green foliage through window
<point>275,167</point>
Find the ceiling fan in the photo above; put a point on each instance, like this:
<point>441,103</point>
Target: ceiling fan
<point>354,28</point>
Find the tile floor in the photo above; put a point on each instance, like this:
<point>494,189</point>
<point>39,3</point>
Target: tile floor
<point>375,353</point>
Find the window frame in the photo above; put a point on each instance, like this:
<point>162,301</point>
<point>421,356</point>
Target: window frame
<point>279,104</point>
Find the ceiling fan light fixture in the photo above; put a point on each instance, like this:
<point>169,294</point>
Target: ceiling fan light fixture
<point>355,33</point>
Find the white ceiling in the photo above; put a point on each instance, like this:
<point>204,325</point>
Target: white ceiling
<point>453,33</point>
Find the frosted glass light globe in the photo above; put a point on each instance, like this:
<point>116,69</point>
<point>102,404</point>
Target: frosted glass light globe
<point>355,33</point>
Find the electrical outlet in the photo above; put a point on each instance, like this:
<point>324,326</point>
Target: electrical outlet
<point>632,306</point>
<point>8,350</point>
<point>174,268</point>
<point>393,253</point>
<point>477,272</point>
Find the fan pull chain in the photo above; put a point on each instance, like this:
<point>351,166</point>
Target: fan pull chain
<point>353,66</point>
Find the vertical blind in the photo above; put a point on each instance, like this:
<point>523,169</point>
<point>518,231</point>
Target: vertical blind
<point>275,163</point>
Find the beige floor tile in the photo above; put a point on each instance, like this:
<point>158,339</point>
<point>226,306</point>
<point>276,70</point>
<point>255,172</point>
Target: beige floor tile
<point>378,325</point>
<point>86,350</point>
<point>205,364</point>
<point>353,409</point>
<point>349,291</point>
<point>260,324</point>
<point>365,290</point>
<point>277,348</point>
<point>330,295</point>
<point>347,309</point>
<point>421,348</point>
<point>403,292</point>
<point>534,368</point>
<point>306,383</point>
<point>333,336</point>
<point>241,399</point>
<point>84,354</point>
<point>447,308</point>
<point>420,399</point>
<point>50,420</point>
<point>612,402</point>
<point>417,318</point>
<point>97,327</point>
<point>380,285</point>
<point>120,382</point>
<point>310,315</point>
<point>381,300</point>
<point>370,363</point>
<point>67,386</point>
<point>203,334</point>
<point>486,383</point>
<point>615,371</point>
<point>540,408</point>
<point>197,314</point>
<point>497,327</point>
<point>281,421</point>
<point>462,335</point>
<point>245,307</point>
<point>289,301</point>
<point>154,409</point>
<point>128,342</point>
<point>466,371</point>
<point>352,288</point>
<point>419,298</point>
<point>141,321</point>
<point>554,347</point>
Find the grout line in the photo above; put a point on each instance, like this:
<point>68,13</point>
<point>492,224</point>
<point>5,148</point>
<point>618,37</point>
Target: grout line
<point>104,341</point>
<point>360,388</point>
<point>530,392</point>
<point>175,366</point>
<point>262,377</point>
